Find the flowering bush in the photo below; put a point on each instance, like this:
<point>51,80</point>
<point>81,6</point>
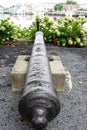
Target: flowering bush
<point>7,31</point>
<point>66,32</point>
<point>72,32</point>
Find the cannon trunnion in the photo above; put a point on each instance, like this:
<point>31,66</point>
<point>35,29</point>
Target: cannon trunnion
<point>39,103</point>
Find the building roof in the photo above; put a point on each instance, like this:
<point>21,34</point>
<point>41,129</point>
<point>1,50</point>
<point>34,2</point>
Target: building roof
<point>71,6</point>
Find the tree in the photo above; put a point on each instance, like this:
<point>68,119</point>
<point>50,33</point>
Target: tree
<point>58,6</point>
<point>71,2</point>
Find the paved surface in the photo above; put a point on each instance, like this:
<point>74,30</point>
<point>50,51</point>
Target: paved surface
<point>73,114</point>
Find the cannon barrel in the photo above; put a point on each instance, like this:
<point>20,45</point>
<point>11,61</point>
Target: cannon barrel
<point>39,103</point>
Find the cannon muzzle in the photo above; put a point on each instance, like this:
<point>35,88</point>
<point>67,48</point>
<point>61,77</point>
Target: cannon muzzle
<point>39,121</point>
<point>39,103</point>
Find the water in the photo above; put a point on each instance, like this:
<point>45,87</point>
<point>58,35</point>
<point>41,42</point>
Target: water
<point>25,20</point>
<point>20,20</point>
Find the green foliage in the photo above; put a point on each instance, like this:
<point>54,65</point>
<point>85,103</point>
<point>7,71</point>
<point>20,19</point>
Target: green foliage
<point>72,32</point>
<point>46,26</point>
<point>8,31</point>
<point>58,6</point>
<point>71,2</point>
<point>66,32</point>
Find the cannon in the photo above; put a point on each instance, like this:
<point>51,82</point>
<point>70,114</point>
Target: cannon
<point>39,103</point>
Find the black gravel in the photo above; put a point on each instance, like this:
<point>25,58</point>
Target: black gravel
<point>73,114</point>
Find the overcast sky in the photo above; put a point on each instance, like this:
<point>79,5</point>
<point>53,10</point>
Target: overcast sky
<point>12,2</point>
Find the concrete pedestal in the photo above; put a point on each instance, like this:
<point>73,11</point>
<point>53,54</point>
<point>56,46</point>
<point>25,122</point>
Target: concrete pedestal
<point>19,72</point>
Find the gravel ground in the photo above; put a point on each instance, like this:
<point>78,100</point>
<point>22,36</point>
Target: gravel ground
<point>73,114</point>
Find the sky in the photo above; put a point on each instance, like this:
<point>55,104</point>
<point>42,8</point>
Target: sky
<point>8,3</point>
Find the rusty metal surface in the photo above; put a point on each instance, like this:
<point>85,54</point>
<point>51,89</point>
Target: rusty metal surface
<point>39,103</point>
